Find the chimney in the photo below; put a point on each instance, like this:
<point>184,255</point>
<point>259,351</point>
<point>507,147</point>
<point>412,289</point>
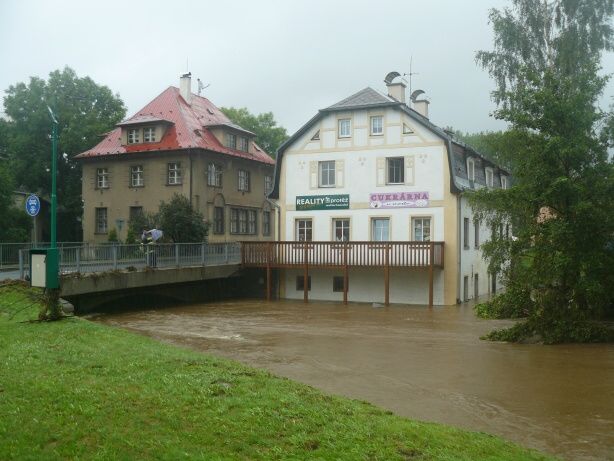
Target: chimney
<point>422,107</point>
<point>397,91</point>
<point>185,87</point>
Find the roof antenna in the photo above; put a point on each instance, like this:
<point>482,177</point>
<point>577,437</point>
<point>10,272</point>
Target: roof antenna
<point>411,72</point>
<point>201,86</point>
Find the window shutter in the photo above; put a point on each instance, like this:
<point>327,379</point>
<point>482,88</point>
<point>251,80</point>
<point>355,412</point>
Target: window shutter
<point>381,171</point>
<point>339,167</point>
<point>409,170</point>
<point>313,175</point>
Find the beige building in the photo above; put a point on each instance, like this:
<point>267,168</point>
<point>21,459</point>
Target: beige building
<point>179,143</point>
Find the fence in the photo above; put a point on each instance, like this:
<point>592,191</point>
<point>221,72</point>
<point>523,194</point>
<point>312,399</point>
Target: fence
<point>9,252</point>
<point>101,258</point>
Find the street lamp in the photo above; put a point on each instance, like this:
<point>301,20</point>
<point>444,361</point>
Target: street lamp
<point>54,167</point>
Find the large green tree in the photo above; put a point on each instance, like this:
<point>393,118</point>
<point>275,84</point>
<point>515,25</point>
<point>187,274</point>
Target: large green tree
<point>269,135</point>
<point>180,222</point>
<point>558,266</point>
<point>85,111</point>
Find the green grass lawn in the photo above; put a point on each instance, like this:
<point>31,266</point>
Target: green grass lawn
<point>75,389</point>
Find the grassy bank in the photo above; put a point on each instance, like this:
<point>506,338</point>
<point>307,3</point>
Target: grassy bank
<point>75,389</point>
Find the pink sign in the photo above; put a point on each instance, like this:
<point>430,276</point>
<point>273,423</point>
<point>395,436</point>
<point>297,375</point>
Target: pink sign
<point>399,200</point>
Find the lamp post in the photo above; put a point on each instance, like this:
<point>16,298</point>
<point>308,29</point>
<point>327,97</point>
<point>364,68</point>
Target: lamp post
<point>54,167</point>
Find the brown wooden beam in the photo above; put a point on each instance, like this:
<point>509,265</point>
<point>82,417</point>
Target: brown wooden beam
<point>345,274</point>
<point>387,277</point>
<point>431,261</point>
<point>305,276</point>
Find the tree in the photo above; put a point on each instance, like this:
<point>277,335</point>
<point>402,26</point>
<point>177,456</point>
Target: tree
<point>16,223</point>
<point>85,111</point>
<point>181,222</point>
<point>545,64</point>
<point>493,145</point>
<point>269,136</point>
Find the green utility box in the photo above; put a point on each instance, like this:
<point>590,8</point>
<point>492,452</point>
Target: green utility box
<point>44,268</point>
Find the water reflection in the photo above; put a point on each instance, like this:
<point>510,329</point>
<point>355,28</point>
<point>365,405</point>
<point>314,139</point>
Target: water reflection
<point>424,364</point>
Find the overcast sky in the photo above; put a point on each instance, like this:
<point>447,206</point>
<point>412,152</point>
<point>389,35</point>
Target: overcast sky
<point>288,57</point>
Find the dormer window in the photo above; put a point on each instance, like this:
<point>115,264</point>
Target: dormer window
<point>231,141</point>
<point>503,182</point>
<point>149,134</point>
<point>471,169</point>
<point>243,144</point>
<point>133,136</point>
<point>489,177</point>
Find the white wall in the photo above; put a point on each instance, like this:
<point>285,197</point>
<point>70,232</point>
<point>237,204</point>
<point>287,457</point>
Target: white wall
<point>471,261</point>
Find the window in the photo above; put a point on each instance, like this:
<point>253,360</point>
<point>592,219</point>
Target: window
<point>300,283</point>
<point>242,221</point>
<point>266,223</point>
<point>174,174</point>
<point>214,175</point>
<point>244,180</point>
<point>101,220</point>
<point>345,128</point>
<point>422,229</point>
<point>396,170</point>
<point>102,178</point>
<point>466,233</point>
<point>471,169</point>
<point>149,134</point>
<point>466,288</point>
<point>133,136</point>
<point>135,212</point>
<point>136,176</point>
<point>316,137</point>
<point>268,184</point>
<point>338,284</point>
<point>377,125</point>
<point>476,234</point>
<point>231,141</point>
<point>218,220</point>
<point>380,229</point>
<point>243,144</point>
<point>326,173</point>
<point>341,229</point>
<point>489,177</point>
<point>407,129</point>
<point>304,230</point>
<point>503,182</point>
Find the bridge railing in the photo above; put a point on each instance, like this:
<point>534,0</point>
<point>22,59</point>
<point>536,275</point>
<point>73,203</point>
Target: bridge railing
<point>102,258</point>
<point>9,252</point>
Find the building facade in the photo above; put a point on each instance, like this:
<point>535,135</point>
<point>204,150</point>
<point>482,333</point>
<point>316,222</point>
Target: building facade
<point>179,143</point>
<point>373,169</point>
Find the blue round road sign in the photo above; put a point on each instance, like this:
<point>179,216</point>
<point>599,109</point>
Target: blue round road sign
<point>33,205</point>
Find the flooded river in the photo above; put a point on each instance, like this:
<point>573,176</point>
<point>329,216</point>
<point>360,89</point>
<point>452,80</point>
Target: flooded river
<point>426,364</point>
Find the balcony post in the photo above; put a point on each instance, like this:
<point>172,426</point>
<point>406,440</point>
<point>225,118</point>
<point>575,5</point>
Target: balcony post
<point>387,275</point>
<point>305,274</point>
<point>345,273</point>
<point>431,262</point>
<point>268,271</point>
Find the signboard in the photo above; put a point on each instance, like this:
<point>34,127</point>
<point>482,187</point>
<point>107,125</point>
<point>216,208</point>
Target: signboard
<point>322,202</point>
<point>399,200</point>
<point>33,205</point>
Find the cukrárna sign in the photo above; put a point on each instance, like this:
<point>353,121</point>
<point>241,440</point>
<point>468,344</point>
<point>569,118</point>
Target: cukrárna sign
<point>399,200</point>
<point>322,202</point>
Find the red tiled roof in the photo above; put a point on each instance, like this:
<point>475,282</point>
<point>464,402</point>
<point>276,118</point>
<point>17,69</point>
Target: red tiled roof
<point>189,129</point>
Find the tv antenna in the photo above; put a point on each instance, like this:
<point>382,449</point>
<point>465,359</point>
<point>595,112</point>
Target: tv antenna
<point>411,72</point>
<point>201,86</point>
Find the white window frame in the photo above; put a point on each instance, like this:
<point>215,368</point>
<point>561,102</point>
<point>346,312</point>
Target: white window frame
<point>341,229</point>
<point>102,217</point>
<point>268,184</point>
<point>420,237</point>
<point>303,229</point>
<point>503,182</point>
<point>344,128</point>
<point>326,175</point>
<point>266,222</point>
<point>231,141</point>
<point>173,173</point>
<point>149,134</point>
<point>243,144</point>
<point>102,178</point>
<point>133,136</point>
<point>243,180</point>
<point>377,129</point>
<point>471,169</point>
<point>214,175</point>
<point>389,161</point>
<point>136,176</point>
<point>377,231</point>
<point>490,177</point>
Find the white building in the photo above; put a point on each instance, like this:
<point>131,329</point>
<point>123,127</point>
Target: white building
<point>371,169</point>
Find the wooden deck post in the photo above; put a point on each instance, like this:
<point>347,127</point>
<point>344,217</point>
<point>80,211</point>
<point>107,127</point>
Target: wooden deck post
<point>268,271</point>
<point>345,273</point>
<point>305,275</point>
<point>387,276</point>
<point>431,261</point>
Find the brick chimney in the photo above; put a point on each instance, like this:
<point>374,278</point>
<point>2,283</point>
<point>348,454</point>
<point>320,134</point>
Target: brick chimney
<point>185,87</point>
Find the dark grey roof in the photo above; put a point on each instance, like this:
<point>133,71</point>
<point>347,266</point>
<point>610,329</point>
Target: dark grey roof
<point>364,98</point>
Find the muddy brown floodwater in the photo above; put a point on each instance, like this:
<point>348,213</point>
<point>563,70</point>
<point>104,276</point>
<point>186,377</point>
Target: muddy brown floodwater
<point>426,364</point>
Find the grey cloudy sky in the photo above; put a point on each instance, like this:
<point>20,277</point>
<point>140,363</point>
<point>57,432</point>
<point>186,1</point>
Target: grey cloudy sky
<point>288,57</point>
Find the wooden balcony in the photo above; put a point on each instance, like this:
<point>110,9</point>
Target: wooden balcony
<point>306,255</point>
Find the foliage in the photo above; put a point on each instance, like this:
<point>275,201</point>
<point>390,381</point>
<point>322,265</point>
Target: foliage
<point>513,303</point>
<point>546,67</point>
<point>81,390</point>
<point>493,145</point>
<point>137,224</point>
<point>269,136</point>
<point>84,110</point>
<point>16,224</point>
<point>180,221</point>
<point>113,235</point>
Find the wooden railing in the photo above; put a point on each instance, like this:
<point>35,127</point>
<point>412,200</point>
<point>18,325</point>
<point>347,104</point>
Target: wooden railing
<point>339,254</point>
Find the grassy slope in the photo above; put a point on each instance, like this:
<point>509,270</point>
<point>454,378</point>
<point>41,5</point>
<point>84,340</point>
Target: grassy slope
<point>75,389</point>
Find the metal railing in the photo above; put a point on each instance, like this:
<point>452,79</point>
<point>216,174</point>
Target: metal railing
<point>9,252</point>
<point>102,258</point>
